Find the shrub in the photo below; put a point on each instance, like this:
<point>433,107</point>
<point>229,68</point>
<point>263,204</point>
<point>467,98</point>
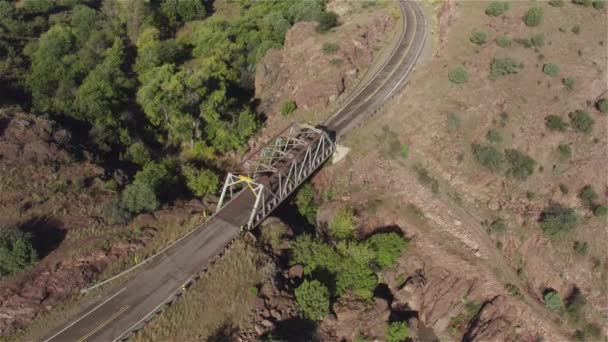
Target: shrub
<point>585,3</point>
<point>556,3</point>
<point>155,175</point>
<point>494,136</point>
<point>558,219</point>
<point>581,121</point>
<point>312,298</point>
<point>576,29</point>
<point>139,154</point>
<point>458,75</point>
<point>139,197</point>
<point>356,277</point>
<point>551,69</point>
<point>343,224</point>
<point>387,247</point>
<point>327,21</point>
<point>526,42</point>
<point>588,195</point>
<point>553,301</point>
<point>397,332</point>
<point>534,16</point>
<point>478,37</point>
<point>504,66</point>
<point>330,48</point>
<point>336,61</point>
<point>498,226</point>
<point>288,107</point>
<point>488,156</point>
<point>565,152</point>
<point>453,122</point>
<point>503,41</point>
<point>581,248</point>
<point>602,105</point>
<point>575,305</point>
<point>200,181</point>
<point>538,40</point>
<point>521,166</point>
<point>555,123</point>
<point>600,210</point>
<point>305,202</point>
<point>568,82</point>
<point>599,4</point>
<point>564,189</point>
<point>16,251</point>
<point>425,178</point>
<point>497,8</point>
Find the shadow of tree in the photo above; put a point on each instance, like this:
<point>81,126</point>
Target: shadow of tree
<point>294,329</point>
<point>46,234</point>
<point>225,333</point>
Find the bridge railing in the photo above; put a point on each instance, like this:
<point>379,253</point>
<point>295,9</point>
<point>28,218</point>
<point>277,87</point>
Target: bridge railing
<point>273,172</point>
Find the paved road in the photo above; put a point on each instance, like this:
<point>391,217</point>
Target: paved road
<point>159,281</point>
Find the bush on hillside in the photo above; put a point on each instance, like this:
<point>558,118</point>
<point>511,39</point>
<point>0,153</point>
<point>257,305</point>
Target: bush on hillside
<point>305,202</point>
<point>494,136</point>
<point>387,247</point>
<point>581,121</point>
<point>580,248</point>
<point>602,105</point>
<point>557,219</point>
<point>312,298</point>
<point>288,107</point>
<point>568,82</point>
<point>504,66</point>
<point>551,69</point>
<point>599,4</point>
<point>16,251</point>
<point>553,301</point>
<point>534,16</point>
<point>503,41</point>
<point>557,3</point>
<point>588,195</point>
<point>488,156</point>
<point>458,75</point>
<point>139,197</point>
<point>538,40</point>
<point>327,21</point>
<point>565,151</point>
<point>200,181</point>
<point>600,210</point>
<point>330,48</point>
<point>521,166</point>
<point>479,37</point>
<point>397,332</point>
<point>497,8</point>
<point>575,305</point>
<point>343,224</point>
<point>576,29</point>
<point>555,123</point>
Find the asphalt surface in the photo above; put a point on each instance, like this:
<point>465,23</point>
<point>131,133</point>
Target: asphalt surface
<point>129,306</point>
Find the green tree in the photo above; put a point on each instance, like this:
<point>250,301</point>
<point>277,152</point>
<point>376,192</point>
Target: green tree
<point>551,69</point>
<point>139,154</point>
<point>397,332</point>
<point>305,202</point>
<point>478,37</point>
<point>16,251</point>
<point>200,181</point>
<point>458,75</point>
<point>585,3</point>
<point>488,156</point>
<point>581,121</point>
<point>387,247</point>
<point>497,8</point>
<point>555,123</point>
<point>534,16</point>
<point>312,298</point>
<point>344,224</point>
<point>521,166</point>
<point>557,219</point>
<point>139,197</point>
<point>553,301</point>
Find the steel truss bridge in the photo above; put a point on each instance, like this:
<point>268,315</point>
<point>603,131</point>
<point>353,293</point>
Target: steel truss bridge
<point>274,171</point>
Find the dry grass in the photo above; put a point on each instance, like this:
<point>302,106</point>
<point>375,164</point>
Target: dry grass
<point>218,303</point>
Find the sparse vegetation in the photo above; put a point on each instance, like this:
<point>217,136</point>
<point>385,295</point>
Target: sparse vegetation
<point>459,323</point>
<point>565,152</point>
<point>327,21</point>
<point>313,299</point>
<point>498,226</point>
<point>504,66</point>
<point>557,220</point>
<point>555,123</point>
<point>538,40</point>
<point>478,37</point>
<point>397,332</point>
<point>557,3</point>
<point>425,178</point>
<point>581,121</point>
<point>330,48</point>
<point>585,3</point>
<point>588,195</point>
<point>497,8</point>
<point>568,82</point>
<point>453,122</point>
<point>336,61</point>
<point>576,29</point>
<point>494,136</point>
<point>289,107</point>
<point>602,105</point>
<point>575,305</point>
<point>503,41</point>
<point>599,4</point>
<point>581,248</point>
<point>458,75</point>
<point>534,16</point>
<point>551,69</point>
<point>488,156</point>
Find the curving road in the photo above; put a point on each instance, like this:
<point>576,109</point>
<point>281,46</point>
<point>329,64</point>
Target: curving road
<point>161,281</point>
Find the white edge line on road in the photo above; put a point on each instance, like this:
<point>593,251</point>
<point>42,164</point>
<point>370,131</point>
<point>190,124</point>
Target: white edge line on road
<point>390,93</point>
<point>85,315</point>
<point>377,73</point>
